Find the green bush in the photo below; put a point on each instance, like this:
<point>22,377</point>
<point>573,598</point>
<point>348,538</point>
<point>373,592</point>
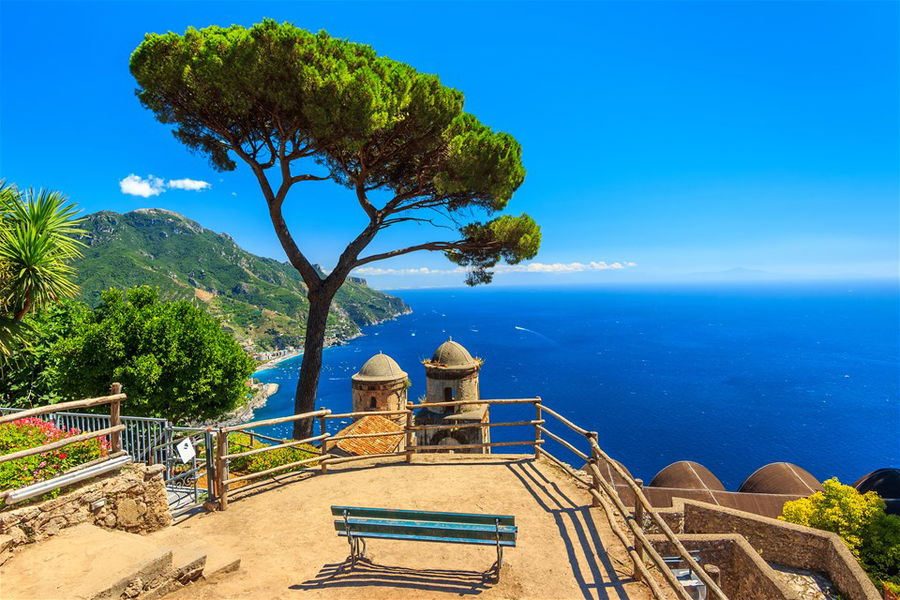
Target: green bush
<point>859,519</point>
<point>31,433</point>
<point>240,442</point>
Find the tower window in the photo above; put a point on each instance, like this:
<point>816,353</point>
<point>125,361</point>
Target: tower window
<point>448,394</point>
<point>372,402</point>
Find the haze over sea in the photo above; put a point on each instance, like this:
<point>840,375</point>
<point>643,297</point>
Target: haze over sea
<point>732,376</point>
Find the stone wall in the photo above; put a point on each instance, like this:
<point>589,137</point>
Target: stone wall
<point>783,543</point>
<point>133,500</point>
<point>743,574</point>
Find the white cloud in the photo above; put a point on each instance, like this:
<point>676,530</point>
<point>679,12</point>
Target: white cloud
<point>189,184</point>
<point>533,267</point>
<point>137,186</point>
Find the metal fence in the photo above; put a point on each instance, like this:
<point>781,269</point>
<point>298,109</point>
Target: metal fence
<point>146,439</point>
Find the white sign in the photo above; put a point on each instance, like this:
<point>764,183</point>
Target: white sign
<point>186,450</point>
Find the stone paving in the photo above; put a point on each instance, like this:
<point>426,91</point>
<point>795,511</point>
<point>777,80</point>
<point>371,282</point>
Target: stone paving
<point>811,585</point>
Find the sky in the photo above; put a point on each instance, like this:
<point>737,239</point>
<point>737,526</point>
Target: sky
<point>664,141</point>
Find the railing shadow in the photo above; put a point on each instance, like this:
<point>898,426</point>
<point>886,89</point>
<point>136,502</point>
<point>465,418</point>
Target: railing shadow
<point>366,574</point>
<point>605,581</point>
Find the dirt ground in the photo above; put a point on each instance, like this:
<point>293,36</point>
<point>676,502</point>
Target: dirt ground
<point>283,532</point>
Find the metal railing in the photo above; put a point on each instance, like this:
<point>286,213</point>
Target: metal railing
<point>143,438</point>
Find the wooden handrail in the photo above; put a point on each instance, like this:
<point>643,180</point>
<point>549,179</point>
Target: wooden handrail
<point>572,448</point>
<point>639,536</point>
<point>483,401</point>
<point>61,443</point>
<point>276,447</point>
<point>466,446</point>
<point>342,459</point>
<point>632,552</point>
<point>366,413</point>
<point>249,476</point>
<point>242,426</point>
<point>61,407</point>
<point>565,421</point>
<point>474,425</point>
<point>639,496</point>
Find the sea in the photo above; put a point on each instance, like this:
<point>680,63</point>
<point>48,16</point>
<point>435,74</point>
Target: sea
<point>733,376</point>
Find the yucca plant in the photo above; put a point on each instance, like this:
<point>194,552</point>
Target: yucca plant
<point>38,230</point>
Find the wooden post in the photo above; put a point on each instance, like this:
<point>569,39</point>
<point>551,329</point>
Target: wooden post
<point>537,426</point>
<point>639,519</point>
<point>222,468</point>
<point>115,418</point>
<point>409,433</point>
<point>595,460</point>
<point>322,431</point>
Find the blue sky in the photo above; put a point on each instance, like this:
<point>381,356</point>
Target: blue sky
<point>668,138</point>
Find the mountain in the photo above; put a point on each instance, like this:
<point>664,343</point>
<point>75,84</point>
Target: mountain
<point>261,300</point>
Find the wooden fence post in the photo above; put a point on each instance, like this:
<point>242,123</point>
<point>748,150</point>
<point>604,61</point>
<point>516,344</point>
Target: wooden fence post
<point>639,519</point>
<point>595,460</point>
<point>537,426</point>
<point>115,419</point>
<point>409,433</point>
<point>322,430</point>
<point>222,468</point>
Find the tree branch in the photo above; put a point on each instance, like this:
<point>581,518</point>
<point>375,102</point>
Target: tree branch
<point>431,246</point>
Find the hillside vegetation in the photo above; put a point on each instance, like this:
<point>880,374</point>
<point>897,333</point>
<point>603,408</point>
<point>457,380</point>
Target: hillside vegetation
<point>261,300</point>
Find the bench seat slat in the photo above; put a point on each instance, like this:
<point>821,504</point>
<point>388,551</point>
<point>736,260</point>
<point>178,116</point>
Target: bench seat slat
<point>462,527</point>
<point>426,538</point>
<point>422,515</point>
<point>415,530</point>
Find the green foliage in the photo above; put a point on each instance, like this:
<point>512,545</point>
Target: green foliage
<point>257,298</point>
<point>36,247</point>
<point>173,358</point>
<point>859,519</point>
<point>511,238</point>
<point>241,442</point>
<point>31,433</point>
<point>275,93</point>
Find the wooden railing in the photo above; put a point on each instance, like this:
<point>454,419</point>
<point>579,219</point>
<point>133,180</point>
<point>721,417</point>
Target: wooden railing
<point>603,493</point>
<point>114,431</point>
<point>605,496</point>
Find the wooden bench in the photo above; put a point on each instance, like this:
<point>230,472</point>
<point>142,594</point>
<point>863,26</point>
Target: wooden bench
<point>357,524</point>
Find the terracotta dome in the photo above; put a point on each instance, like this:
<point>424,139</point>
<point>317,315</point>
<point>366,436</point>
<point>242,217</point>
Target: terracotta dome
<point>687,475</point>
<point>452,354</point>
<point>380,367</point>
<point>885,483</point>
<point>781,478</point>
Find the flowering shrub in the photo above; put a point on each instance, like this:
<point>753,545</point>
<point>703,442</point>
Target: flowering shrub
<point>32,432</point>
<point>241,442</point>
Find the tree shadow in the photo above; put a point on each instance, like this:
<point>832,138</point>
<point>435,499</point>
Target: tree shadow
<point>367,573</point>
<point>576,527</point>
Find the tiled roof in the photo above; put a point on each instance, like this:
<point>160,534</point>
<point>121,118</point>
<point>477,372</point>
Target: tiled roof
<point>369,445</point>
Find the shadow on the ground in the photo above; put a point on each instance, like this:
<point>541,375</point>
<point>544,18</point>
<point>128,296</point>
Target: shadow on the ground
<point>576,527</point>
<point>366,573</point>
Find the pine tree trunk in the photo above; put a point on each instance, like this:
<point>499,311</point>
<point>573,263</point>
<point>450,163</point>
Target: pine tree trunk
<point>311,367</point>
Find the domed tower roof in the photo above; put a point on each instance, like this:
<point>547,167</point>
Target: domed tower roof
<point>885,483</point>
<point>380,367</point>
<point>781,478</point>
<point>452,355</point>
<point>687,475</point>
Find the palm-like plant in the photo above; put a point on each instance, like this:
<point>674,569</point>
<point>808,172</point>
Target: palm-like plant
<point>37,243</point>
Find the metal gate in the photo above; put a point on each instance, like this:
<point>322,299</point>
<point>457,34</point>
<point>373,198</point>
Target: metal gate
<point>155,441</point>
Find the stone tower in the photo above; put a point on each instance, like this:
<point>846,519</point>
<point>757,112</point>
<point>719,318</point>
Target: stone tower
<point>450,375</point>
<point>380,385</point>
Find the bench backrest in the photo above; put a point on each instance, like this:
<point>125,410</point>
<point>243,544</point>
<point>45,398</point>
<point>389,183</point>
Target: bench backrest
<point>425,525</point>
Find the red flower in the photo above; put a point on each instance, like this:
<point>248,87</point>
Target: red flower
<point>62,455</point>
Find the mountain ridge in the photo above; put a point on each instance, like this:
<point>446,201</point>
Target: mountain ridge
<point>261,300</point>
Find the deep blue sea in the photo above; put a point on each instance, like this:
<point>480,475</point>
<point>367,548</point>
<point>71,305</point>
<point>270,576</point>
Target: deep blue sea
<point>734,376</point>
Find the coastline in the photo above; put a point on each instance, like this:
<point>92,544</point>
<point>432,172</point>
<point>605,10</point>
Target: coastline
<point>244,413</point>
<point>330,343</point>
